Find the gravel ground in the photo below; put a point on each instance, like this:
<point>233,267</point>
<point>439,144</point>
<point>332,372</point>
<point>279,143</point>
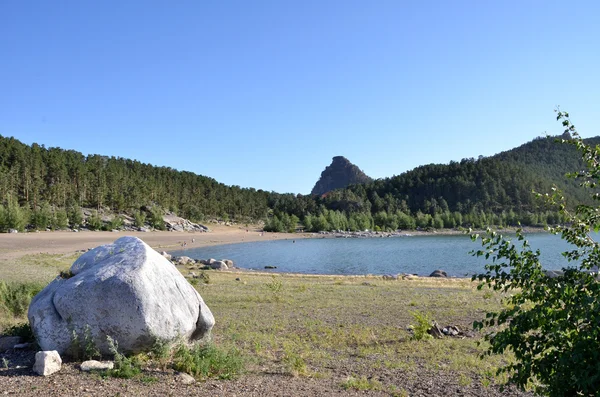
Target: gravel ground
<point>19,380</point>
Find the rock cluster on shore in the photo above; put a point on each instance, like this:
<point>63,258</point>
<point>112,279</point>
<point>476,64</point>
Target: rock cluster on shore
<point>363,234</point>
<point>192,264</point>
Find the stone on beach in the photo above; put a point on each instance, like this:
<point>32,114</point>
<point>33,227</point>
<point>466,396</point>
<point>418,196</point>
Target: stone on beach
<point>218,265</point>
<point>438,273</point>
<point>93,365</point>
<point>125,290</point>
<point>47,362</point>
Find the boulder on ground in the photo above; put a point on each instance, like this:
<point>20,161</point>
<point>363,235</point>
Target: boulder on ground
<point>184,378</point>
<point>228,262</point>
<point>9,342</point>
<point>125,290</point>
<point>47,362</point>
<point>219,265</point>
<point>438,273</point>
<point>183,260</point>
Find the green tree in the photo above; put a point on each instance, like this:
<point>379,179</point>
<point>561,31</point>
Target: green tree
<point>550,322</point>
<point>16,217</point>
<point>139,218</point>
<point>156,218</point>
<point>94,222</point>
<point>60,219</point>
<point>41,217</point>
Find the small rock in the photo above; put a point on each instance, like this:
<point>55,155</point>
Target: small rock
<point>451,330</point>
<point>13,231</point>
<point>166,255</point>
<point>22,346</point>
<point>92,365</point>
<point>270,267</point>
<point>184,378</point>
<point>435,331</point>
<point>438,273</point>
<point>390,277</point>
<point>47,362</point>
<point>9,342</point>
<point>238,279</point>
<point>228,262</point>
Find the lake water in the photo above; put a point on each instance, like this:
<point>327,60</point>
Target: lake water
<point>411,254</point>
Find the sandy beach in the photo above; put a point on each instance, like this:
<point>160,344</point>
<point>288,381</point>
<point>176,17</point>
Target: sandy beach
<point>16,245</point>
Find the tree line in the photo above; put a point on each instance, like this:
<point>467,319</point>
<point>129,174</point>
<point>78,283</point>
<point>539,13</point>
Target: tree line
<point>48,187</point>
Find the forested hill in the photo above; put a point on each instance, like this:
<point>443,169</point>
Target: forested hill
<point>35,176</point>
<point>43,187</point>
<point>339,174</point>
<point>489,190</point>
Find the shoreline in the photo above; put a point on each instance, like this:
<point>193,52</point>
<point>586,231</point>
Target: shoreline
<point>16,249</point>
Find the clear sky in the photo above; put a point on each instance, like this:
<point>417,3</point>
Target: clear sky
<point>264,93</point>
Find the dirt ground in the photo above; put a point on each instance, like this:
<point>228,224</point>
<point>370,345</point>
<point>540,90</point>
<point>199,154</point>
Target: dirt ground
<point>65,242</point>
<point>269,324</point>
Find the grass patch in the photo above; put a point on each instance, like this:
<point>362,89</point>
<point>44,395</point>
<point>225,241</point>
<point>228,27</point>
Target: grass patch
<point>208,361</point>
<point>319,326</point>
<point>14,302</point>
<point>361,383</point>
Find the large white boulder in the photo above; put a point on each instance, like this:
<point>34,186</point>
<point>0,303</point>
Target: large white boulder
<point>125,290</point>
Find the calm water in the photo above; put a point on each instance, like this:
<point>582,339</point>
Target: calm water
<point>417,254</point>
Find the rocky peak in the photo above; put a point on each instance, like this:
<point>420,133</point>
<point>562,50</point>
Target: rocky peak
<point>339,174</point>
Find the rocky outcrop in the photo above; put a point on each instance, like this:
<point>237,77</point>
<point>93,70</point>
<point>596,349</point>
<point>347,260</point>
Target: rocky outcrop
<point>176,224</point>
<point>125,290</point>
<point>339,174</point>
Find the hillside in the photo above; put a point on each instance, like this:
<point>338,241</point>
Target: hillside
<point>47,187</point>
<point>499,185</point>
<point>339,174</point>
<point>34,176</point>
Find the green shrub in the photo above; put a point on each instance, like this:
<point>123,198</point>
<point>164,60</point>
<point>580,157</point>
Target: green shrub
<point>15,298</point>
<point>94,222</point>
<point>208,362</point>
<point>22,329</point>
<point>156,219</point>
<point>75,216</point>
<point>125,367</point>
<point>115,223</point>
<point>60,219</point>
<point>276,285</point>
<point>83,346</point>
<point>550,323</point>
<point>423,324</point>
<point>139,218</point>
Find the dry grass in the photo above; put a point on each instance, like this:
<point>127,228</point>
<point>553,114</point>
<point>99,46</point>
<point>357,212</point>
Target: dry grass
<point>347,329</point>
<point>318,326</point>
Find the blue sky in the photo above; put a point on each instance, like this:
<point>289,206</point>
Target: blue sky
<point>264,93</point>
